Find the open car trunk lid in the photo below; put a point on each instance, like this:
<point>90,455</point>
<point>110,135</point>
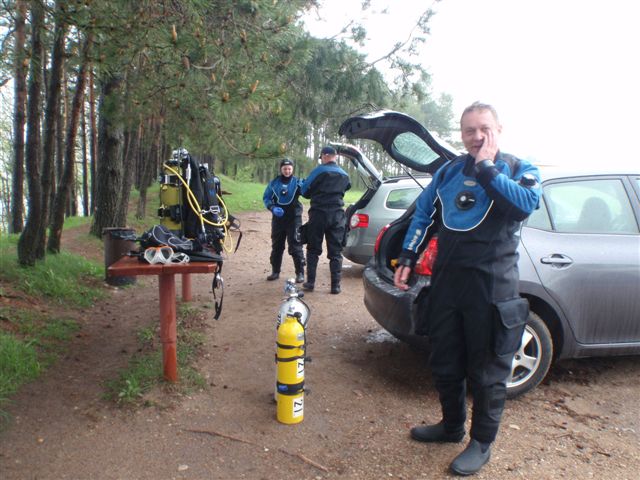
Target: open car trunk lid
<point>402,137</point>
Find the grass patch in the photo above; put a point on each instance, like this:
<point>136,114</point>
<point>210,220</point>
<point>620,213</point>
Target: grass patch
<point>144,371</point>
<point>18,364</point>
<point>73,222</point>
<point>63,278</point>
<point>243,196</point>
<point>29,343</point>
<point>31,340</point>
<point>352,196</point>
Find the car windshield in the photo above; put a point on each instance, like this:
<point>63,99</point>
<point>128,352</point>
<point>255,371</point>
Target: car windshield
<point>414,150</point>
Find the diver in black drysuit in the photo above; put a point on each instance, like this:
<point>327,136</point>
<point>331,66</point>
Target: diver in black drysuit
<point>474,315</point>
<point>326,186</point>
<point>281,198</point>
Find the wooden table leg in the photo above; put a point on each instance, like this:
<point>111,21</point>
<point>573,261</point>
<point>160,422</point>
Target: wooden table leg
<point>186,287</point>
<point>168,329</point>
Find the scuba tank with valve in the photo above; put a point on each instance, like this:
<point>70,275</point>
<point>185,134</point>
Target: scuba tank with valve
<point>192,208</point>
<point>191,202</point>
<point>290,355</point>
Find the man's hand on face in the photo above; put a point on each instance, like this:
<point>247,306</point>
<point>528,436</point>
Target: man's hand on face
<point>489,147</point>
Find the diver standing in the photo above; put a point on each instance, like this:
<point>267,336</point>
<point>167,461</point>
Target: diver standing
<point>281,198</point>
<point>326,186</point>
<point>474,315</point>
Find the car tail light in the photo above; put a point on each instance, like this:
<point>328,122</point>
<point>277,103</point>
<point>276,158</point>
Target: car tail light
<point>359,220</point>
<point>376,246</point>
<point>428,258</point>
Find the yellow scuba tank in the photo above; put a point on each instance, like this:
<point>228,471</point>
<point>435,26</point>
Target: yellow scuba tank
<point>170,211</point>
<point>290,358</point>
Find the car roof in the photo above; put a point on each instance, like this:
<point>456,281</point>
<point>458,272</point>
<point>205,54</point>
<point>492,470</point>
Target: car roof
<point>551,172</point>
<point>406,178</point>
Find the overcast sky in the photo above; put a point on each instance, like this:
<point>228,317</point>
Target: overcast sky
<point>563,74</point>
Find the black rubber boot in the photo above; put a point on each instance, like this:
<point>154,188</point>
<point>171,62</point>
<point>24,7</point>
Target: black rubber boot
<point>273,276</point>
<point>335,268</point>
<point>472,458</point>
<point>312,265</point>
<point>299,264</point>
<point>437,433</point>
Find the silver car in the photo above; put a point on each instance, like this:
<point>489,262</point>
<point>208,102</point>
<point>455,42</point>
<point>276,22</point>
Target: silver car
<point>385,199</point>
<point>365,219</point>
<point>579,259</point>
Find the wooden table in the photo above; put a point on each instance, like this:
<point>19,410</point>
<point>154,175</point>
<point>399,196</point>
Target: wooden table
<point>131,266</point>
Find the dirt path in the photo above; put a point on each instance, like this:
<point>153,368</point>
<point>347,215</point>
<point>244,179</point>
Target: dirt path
<point>365,394</point>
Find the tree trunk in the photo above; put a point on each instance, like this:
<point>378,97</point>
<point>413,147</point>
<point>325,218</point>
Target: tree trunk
<point>109,172</point>
<point>20,96</point>
<point>85,164</point>
<point>93,142</point>
<point>150,165</point>
<point>130,161</point>
<point>66,181</point>
<point>51,117</point>
<point>63,121</point>
<point>28,238</point>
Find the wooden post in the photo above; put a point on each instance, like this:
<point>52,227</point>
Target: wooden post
<point>186,287</point>
<point>168,329</point>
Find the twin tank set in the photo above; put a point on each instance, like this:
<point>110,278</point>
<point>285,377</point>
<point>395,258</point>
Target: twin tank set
<point>291,355</point>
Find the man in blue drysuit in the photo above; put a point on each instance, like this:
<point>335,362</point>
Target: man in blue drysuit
<point>474,316</point>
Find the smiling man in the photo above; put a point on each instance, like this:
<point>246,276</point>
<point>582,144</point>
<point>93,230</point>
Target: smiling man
<point>474,316</point>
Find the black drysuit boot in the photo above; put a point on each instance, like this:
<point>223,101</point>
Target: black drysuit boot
<point>436,433</point>
<point>273,276</point>
<point>472,458</point>
<point>335,266</point>
<point>312,265</point>
<point>299,264</point>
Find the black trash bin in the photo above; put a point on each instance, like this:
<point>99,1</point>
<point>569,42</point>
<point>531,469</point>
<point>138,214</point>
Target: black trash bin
<point>118,241</point>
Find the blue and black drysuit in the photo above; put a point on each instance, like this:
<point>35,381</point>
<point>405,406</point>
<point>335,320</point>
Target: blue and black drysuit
<point>283,192</point>
<point>474,315</point>
<point>325,186</point>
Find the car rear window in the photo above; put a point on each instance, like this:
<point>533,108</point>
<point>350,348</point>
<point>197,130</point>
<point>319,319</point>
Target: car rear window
<point>402,198</point>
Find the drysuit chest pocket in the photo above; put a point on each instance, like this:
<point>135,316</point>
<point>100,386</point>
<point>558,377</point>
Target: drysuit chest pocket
<point>511,318</point>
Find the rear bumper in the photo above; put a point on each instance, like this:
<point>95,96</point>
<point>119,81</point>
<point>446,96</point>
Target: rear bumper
<point>357,255</point>
<point>395,310</point>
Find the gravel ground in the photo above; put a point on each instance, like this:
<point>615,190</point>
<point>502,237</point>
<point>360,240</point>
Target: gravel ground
<point>365,392</point>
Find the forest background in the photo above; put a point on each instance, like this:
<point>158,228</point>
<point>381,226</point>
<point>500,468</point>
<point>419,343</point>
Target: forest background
<point>95,95</point>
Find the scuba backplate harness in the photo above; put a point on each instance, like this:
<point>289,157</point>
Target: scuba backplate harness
<point>191,207</point>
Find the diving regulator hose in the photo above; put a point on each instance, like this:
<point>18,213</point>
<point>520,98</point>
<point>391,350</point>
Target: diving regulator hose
<point>195,206</point>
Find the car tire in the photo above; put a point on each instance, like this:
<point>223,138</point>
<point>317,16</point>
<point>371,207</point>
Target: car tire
<point>532,360</point>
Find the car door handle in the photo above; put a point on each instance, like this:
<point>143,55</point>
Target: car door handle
<point>556,259</point>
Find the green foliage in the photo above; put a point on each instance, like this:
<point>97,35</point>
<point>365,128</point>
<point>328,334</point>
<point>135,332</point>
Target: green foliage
<point>64,278</point>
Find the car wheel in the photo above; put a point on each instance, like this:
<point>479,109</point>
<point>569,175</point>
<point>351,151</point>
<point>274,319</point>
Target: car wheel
<point>532,360</point>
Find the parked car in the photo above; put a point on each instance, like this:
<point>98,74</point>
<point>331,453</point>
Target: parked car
<point>579,258</point>
<point>365,219</point>
<point>385,199</point>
